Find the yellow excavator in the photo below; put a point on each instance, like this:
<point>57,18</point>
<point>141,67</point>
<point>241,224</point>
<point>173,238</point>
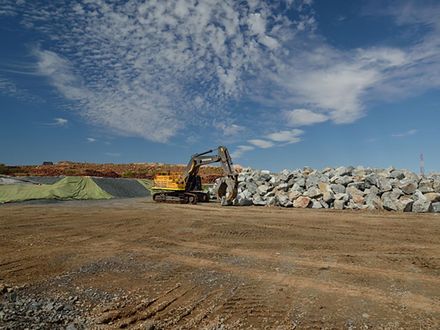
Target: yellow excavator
<point>187,188</point>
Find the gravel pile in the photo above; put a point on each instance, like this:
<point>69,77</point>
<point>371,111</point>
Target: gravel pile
<point>340,188</point>
<point>19,310</point>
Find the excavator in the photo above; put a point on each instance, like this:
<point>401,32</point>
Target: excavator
<point>187,189</point>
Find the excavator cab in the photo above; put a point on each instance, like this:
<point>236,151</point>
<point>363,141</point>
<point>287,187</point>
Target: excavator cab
<point>174,188</point>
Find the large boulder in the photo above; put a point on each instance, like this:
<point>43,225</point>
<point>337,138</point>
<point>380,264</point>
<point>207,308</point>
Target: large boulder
<point>313,192</point>
<point>340,196</point>
<point>328,197</point>
<point>371,180</point>
<point>422,204</point>
<point>339,204</point>
<point>294,195</point>
<point>316,204</point>
<point>405,204</point>
<point>344,180</point>
<point>352,190</point>
<point>390,200</point>
<point>337,188</point>
<point>243,200</point>
<point>426,186</point>
<point>302,202</point>
<point>396,174</point>
<point>373,202</point>
<point>436,184</point>
<point>408,186</point>
<point>432,197</point>
<point>283,200</point>
<point>263,189</point>
<point>314,179</point>
<point>342,171</point>
<point>358,199</point>
<point>384,184</point>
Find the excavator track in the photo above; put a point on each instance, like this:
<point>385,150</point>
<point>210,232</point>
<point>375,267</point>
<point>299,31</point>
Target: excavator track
<point>175,197</point>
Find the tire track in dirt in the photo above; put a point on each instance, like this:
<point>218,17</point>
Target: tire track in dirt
<point>336,266</point>
<point>411,300</point>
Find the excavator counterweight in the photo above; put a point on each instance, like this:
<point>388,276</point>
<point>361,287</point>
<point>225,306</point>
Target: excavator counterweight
<point>175,188</point>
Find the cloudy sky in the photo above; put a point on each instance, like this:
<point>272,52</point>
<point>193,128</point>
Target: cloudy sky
<point>283,84</point>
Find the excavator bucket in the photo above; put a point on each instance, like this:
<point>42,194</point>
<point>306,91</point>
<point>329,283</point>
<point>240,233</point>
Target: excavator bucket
<point>227,190</point>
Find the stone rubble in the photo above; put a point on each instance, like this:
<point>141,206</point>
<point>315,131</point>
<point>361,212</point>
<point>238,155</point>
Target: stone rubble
<point>355,188</point>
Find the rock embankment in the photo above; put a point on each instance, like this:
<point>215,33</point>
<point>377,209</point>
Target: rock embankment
<point>341,188</point>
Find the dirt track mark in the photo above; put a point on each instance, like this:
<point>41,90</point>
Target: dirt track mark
<point>336,266</point>
<point>411,300</point>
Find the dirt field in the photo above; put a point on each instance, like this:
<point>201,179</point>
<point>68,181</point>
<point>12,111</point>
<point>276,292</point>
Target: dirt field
<point>134,263</point>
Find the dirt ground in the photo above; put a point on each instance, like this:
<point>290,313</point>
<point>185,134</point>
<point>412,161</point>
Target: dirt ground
<point>139,264</point>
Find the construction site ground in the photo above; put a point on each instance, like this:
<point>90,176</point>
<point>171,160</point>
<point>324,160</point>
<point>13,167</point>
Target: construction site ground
<point>133,263</point>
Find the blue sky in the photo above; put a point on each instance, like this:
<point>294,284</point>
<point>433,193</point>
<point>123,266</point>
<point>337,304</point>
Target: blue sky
<point>283,84</point>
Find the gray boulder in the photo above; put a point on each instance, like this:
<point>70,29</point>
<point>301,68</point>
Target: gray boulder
<point>422,205</point>
<point>371,180</point>
<point>328,197</point>
<point>313,192</point>
<point>263,189</point>
<point>408,186</point>
<point>257,200</point>
<point>339,204</point>
<point>397,174</point>
<point>436,207</point>
<point>314,179</point>
<point>384,184</point>
<point>405,204</point>
<point>284,200</point>
<point>340,196</point>
<point>337,188</point>
<point>390,201</point>
<point>301,182</point>
<point>436,184</point>
<point>344,180</point>
<point>316,204</point>
<point>342,171</point>
<point>373,202</point>
<point>426,186</point>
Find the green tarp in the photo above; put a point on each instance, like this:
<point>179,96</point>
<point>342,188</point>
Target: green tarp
<point>73,187</point>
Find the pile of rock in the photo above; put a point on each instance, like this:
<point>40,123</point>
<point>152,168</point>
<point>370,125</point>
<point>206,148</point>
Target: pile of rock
<point>21,310</point>
<point>341,188</point>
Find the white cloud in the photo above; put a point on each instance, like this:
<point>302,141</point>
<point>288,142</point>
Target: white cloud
<point>240,150</point>
<point>292,136</point>
<point>91,140</point>
<point>261,143</point>
<point>274,139</point>
<point>150,68</point>
<point>61,121</point>
<point>404,134</point>
<point>303,117</point>
<point>229,129</point>
<point>58,122</point>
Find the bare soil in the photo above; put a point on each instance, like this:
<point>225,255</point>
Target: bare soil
<point>139,264</point>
